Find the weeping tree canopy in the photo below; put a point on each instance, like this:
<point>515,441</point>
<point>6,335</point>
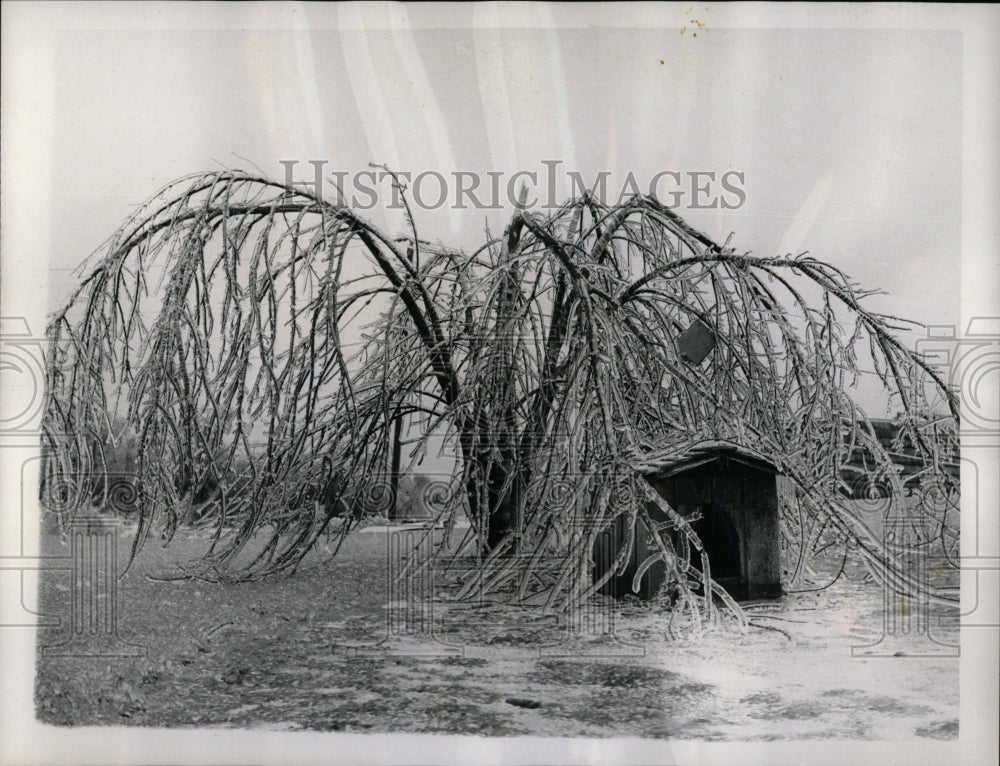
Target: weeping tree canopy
<point>262,341</point>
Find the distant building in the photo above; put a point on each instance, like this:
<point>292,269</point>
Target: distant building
<point>859,474</point>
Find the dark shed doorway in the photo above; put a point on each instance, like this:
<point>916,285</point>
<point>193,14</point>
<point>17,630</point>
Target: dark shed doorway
<point>729,494</point>
<point>722,544</point>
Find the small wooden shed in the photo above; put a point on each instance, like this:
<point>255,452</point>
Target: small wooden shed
<point>730,494</point>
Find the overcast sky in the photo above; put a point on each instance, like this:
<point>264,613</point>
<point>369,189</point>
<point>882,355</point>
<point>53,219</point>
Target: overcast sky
<point>845,142</point>
<point>848,141</point>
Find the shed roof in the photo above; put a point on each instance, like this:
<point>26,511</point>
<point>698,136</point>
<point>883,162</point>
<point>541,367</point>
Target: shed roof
<point>683,457</point>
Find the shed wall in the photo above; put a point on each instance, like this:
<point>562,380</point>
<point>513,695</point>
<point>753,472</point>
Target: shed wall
<point>743,496</point>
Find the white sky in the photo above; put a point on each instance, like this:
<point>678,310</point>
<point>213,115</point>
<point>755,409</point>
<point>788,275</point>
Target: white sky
<point>849,140</point>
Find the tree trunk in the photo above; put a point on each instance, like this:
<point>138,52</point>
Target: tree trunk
<point>397,435</point>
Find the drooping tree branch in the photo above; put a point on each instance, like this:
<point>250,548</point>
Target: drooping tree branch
<point>261,342</point>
